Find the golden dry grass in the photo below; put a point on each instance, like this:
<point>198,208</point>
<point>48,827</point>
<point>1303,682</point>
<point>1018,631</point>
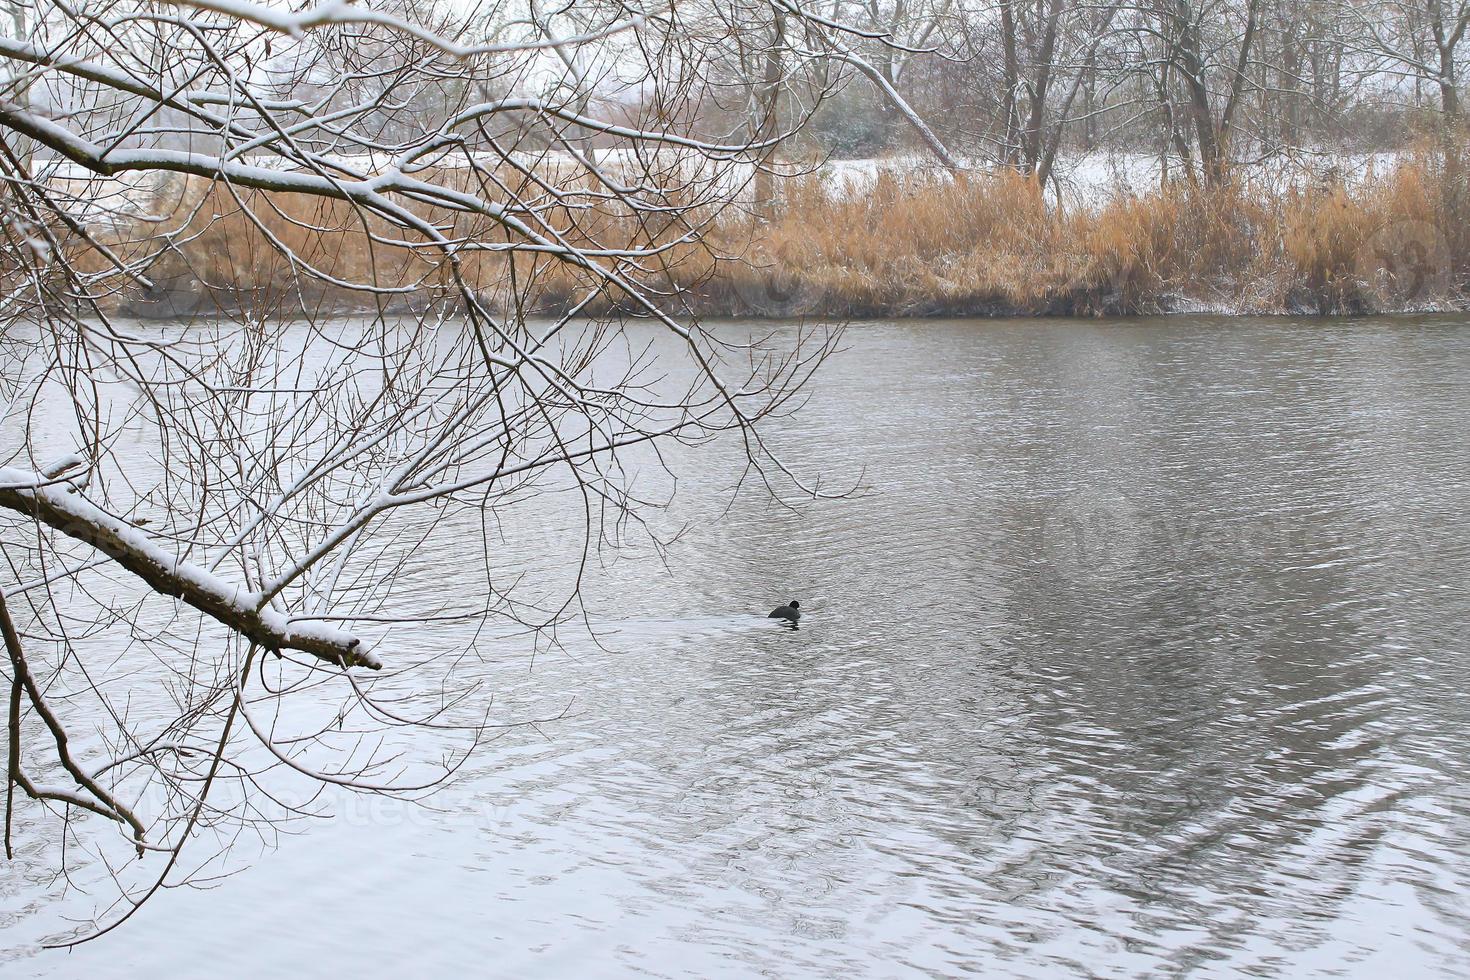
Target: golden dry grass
<point>908,245</point>
<point>992,244</point>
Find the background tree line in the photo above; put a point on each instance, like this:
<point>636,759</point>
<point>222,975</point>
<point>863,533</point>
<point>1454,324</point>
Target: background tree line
<point>1203,84</point>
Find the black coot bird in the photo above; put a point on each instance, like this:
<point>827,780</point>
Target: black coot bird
<point>790,612</point>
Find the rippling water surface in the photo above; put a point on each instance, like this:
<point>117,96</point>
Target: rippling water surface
<point>1144,653</point>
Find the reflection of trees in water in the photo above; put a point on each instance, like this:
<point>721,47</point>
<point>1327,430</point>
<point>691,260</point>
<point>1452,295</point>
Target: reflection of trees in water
<point>1210,713</point>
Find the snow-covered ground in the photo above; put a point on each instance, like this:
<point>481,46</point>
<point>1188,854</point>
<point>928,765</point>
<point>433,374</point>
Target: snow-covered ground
<point>1093,178</point>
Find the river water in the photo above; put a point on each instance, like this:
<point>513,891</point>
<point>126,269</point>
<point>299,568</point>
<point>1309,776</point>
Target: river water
<point>1142,652</point>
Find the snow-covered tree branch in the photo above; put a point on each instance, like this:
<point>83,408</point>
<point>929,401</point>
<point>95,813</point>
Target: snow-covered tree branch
<point>288,294</point>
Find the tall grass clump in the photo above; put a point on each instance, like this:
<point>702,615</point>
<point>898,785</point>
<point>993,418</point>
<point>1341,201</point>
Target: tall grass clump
<point>907,244</point>
<point>992,243</point>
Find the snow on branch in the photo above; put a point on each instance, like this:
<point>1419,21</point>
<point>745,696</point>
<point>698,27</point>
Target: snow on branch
<point>338,12</point>
<point>238,608</point>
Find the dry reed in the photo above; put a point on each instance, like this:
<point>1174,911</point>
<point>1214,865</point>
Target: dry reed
<point>979,244</point>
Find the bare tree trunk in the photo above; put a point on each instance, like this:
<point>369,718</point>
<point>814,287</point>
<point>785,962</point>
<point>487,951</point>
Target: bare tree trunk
<point>1032,138</point>
<point>1011,83</point>
<point>1192,71</point>
<point>1212,136</point>
<point>769,107</point>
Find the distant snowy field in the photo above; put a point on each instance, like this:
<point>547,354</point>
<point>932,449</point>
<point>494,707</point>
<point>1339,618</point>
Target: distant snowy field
<point>1096,177</point>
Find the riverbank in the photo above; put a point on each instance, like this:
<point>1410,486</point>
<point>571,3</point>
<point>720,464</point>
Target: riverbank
<point>905,244</point>
<point>992,245</point>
